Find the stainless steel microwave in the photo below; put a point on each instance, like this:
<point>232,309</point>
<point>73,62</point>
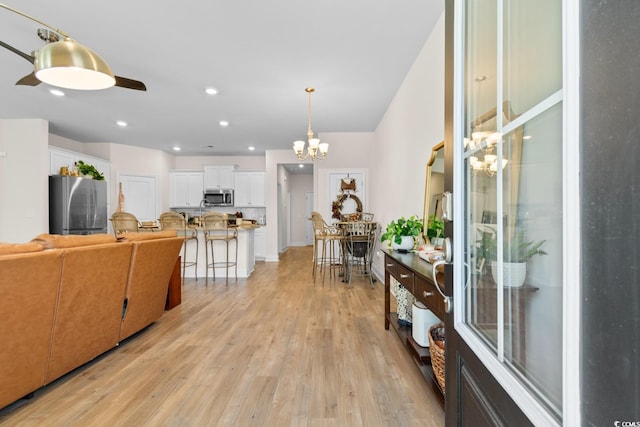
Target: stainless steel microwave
<point>218,197</point>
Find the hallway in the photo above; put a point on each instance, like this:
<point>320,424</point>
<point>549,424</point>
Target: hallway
<point>275,349</point>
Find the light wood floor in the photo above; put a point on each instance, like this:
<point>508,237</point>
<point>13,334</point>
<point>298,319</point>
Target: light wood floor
<point>276,349</point>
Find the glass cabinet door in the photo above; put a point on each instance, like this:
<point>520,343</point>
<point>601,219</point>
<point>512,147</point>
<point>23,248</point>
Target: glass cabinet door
<point>512,182</point>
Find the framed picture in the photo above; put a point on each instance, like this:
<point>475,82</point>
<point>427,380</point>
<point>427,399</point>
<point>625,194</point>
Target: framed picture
<point>479,264</point>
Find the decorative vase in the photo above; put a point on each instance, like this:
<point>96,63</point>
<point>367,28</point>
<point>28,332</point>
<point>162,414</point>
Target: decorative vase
<point>120,199</point>
<point>405,245</point>
<point>513,273</point>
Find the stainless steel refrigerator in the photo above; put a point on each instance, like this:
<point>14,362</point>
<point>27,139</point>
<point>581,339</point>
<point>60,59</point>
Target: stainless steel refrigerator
<point>77,205</point>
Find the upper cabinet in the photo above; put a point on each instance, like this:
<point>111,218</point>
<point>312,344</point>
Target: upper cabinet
<point>249,189</point>
<point>218,177</point>
<point>185,189</point>
<point>59,157</point>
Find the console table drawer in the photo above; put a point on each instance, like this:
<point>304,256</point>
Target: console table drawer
<point>426,292</point>
<point>405,277</point>
<point>391,266</point>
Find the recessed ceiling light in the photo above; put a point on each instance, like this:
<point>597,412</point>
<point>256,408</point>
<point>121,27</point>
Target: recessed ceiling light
<point>121,123</point>
<point>224,123</point>
<point>56,92</point>
<point>176,148</point>
<point>300,166</point>
<point>251,148</point>
<point>211,90</point>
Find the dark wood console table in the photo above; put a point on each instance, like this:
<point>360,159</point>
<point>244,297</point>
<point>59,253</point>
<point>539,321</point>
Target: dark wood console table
<point>415,276</point>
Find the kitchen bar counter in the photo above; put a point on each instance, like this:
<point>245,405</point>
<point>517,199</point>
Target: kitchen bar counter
<point>246,256</point>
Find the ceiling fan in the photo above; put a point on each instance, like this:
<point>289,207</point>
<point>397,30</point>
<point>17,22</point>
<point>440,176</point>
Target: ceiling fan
<point>66,63</point>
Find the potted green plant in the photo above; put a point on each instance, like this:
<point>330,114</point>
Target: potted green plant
<point>516,251</point>
<point>435,230</point>
<point>89,170</point>
<point>401,232</point>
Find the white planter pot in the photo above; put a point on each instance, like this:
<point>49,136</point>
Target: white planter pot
<point>513,273</point>
<point>405,245</point>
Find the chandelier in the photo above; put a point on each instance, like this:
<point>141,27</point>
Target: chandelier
<point>485,141</point>
<point>316,149</point>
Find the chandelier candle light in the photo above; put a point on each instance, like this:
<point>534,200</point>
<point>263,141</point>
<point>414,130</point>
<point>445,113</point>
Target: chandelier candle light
<point>485,141</point>
<point>316,149</point>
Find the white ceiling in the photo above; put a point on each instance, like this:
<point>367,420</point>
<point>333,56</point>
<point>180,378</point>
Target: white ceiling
<point>259,54</point>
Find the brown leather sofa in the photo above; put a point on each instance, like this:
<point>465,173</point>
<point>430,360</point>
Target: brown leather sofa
<point>67,299</point>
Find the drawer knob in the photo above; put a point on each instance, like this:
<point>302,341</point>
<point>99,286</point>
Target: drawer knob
<point>428,294</point>
<point>404,276</point>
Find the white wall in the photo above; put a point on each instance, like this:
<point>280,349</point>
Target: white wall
<point>411,126</point>
<point>24,185</point>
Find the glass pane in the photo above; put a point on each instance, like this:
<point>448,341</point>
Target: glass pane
<point>532,202</point>
<point>480,192</point>
<point>480,59</point>
<point>532,52</point>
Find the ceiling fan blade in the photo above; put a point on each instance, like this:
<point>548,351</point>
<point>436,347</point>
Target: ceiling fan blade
<point>29,80</point>
<point>130,84</point>
<point>18,52</point>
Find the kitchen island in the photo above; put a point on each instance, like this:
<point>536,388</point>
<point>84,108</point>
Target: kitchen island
<point>246,256</point>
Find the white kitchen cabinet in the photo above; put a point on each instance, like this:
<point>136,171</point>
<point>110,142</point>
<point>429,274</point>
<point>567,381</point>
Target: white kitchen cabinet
<point>59,157</point>
<point>185,189</point>
<point>260,237</point>
<point>218,177</point>
<point>249,189</point>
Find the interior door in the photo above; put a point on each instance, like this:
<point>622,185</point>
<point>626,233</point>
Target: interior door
<point>140,196</point>
<point>504,157</point>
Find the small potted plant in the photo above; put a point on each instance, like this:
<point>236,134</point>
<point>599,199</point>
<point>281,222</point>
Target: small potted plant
<point>516,252</point>
<point>435,230</point>
<point>401,233</point>
<point>89,171</point>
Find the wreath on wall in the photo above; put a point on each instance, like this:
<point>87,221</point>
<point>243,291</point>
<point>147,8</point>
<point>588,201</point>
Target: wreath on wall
<point>336,206</point>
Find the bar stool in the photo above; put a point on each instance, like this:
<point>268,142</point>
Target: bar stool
<point>330,237</point>
<point>124,222</point>
<point>216,229</point>
<point>175,221</point>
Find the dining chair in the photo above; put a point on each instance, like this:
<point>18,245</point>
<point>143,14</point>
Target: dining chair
<point>359,243</point>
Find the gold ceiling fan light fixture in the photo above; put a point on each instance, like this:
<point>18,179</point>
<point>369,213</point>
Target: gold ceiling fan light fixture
<point>71,65</point>
<point>66,63</point>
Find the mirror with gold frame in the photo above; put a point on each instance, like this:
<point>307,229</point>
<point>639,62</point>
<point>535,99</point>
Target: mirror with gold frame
<point>434,187</point>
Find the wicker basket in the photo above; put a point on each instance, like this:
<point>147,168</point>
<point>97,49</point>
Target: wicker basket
<point>437,357</point>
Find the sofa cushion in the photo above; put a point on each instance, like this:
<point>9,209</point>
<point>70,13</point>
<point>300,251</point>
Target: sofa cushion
<point>52,241</point>
<point>19,248</point>
<point>136,237</point>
